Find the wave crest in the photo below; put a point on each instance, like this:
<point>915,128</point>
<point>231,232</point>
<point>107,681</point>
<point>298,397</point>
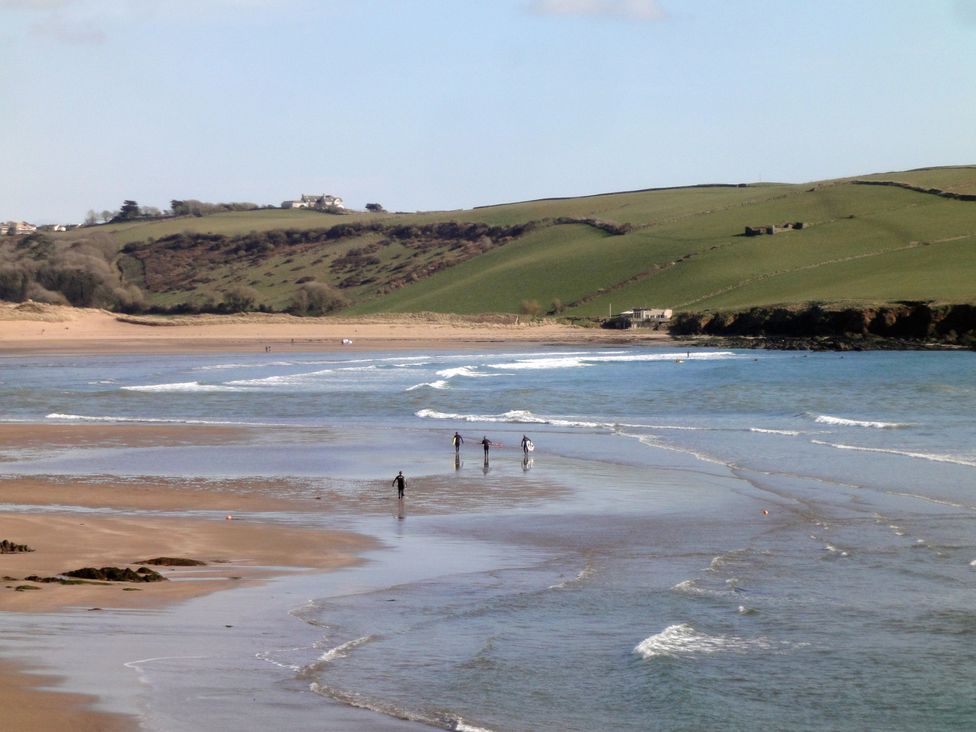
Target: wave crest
<point>683,640</point>
<point>844,422</point>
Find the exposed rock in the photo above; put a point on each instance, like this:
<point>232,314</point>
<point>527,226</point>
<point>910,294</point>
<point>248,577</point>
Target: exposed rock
<point>9,547</point>
<point>116,574</point>
<point>905,325</point>
<point>173,562</point>
<point>62,580</point>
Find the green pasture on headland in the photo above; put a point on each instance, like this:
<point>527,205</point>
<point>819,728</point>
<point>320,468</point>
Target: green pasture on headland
<point>680,248</point>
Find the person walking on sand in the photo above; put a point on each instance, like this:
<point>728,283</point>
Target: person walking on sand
<point>457,440</point>
<point>400,482</point>
<point>486,443</point>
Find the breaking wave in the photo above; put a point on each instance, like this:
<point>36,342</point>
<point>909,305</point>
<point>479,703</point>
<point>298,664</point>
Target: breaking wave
<point>844,422</point>
<point>683,640</point>
<point>515,416</point>
<point>462,371</point>
<point>570,362</point>
<point>181,387</point>
<point>439,384</point>
<point>933,457</point>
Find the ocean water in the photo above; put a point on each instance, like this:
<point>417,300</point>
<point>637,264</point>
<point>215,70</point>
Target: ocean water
<point>719,540</point>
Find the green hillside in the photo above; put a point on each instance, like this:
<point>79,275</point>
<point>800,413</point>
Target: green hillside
<point>682,248</point>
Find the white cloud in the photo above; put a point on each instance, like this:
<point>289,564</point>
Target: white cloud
<point>646,10</point>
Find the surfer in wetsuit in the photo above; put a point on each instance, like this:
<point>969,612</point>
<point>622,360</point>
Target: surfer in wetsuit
<point>400,482</point>
<point>457,440</point>
<point>525,445</point>
<point>486,443</point>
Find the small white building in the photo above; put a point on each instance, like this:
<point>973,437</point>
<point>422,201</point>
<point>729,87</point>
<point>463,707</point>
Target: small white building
<point>323,202</point>
<point>647,315</point>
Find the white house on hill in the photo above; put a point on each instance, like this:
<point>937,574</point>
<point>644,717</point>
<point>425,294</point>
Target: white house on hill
<point>322,202</point>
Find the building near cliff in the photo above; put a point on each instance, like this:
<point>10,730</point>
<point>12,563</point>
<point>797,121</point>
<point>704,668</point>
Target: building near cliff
<point>323,202</point>
<point>13,228</point>
<point>641,318</point>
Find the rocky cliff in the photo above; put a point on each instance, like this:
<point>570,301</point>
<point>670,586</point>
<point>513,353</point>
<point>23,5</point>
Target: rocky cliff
<point>904,324</point>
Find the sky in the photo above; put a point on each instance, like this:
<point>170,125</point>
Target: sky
<point>447,104</point>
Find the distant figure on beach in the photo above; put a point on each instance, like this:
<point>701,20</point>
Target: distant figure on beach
<point>526,445</point>
<point>486,443</point>
<point>457,441</point>
<point>400,482</point>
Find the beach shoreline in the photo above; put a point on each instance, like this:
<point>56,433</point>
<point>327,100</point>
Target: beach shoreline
<point>236,553</point>
<point>248,550</point>
<point>33,328</point>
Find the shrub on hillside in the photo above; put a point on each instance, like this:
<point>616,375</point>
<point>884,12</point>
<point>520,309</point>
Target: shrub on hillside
<point>317,298</point>
<point>239,299</point>
<point>530,308</point>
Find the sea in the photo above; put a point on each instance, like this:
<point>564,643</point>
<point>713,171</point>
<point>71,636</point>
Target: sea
<point>701,539</point>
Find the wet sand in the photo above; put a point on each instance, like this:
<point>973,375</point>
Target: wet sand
<point>27,706</point>
<point>53,515</point>
<point>239,550</point>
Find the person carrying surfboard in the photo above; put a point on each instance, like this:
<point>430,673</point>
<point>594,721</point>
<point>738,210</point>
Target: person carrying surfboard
<point>457,441</point>
<point>527,445</point>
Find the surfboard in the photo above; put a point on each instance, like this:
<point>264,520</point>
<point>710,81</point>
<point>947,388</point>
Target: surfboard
<point>529,446</point>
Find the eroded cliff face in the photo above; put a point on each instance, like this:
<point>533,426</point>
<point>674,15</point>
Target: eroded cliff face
<point>906,323</point>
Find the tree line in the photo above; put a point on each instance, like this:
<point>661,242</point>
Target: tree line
<point>131,210</point>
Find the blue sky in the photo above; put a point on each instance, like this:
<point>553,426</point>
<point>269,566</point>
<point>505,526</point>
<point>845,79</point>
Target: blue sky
<point>443,104</point>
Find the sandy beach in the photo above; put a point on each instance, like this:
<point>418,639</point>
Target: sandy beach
<point>36,328</point>
<point>235,550</point>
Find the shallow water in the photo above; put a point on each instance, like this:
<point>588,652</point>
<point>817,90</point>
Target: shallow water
<point>747,539</point>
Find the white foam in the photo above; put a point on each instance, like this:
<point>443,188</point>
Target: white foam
<point>541,363</point>
<point>284,380</point>
<point>341,651</point>
<point>584,574</point>
<point>652,441</point>
<point>181,387</point>
<point>567,361</point>
<point>262,364</point>
<point>844,422</point>
<point>690,587</point>
<point>683,640</point>
<point>787,433</point>
<point>466,371</point>
<point>150,420</point>
<point>461,726</point>
<point>933,457</point>
<point>515,416</point>
<point>439,384</point>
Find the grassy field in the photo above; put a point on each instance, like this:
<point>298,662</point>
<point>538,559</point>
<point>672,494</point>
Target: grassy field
<point>682,248</point>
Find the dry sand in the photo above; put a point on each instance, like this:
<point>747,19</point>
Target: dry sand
<point>33,327</point>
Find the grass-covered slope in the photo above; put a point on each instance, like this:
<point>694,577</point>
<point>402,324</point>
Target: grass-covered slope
<point>682,248</point>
